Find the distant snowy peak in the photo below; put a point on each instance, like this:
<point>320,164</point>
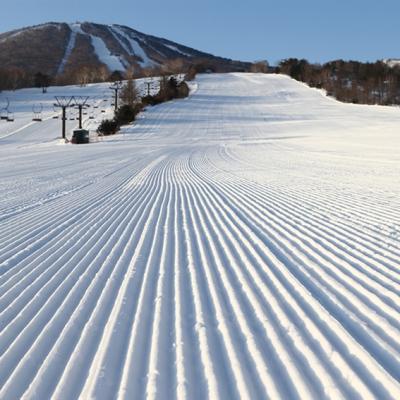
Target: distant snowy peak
<point>58,48</point>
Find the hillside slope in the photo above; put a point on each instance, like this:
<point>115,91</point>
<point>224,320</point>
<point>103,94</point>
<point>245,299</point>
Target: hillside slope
<point>57,48</point>
<point>243,243</point>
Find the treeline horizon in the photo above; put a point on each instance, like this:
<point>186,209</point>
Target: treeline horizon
<point>348,81</point>
<point>13,78</point>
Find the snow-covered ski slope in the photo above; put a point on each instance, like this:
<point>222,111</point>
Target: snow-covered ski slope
<point>240,244</point>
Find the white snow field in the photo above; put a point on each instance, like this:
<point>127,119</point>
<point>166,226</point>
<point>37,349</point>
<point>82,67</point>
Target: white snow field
<point>243,243</point>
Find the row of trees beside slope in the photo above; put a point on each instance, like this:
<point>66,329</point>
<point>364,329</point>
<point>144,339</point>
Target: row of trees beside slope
<point>132,103</point>
<point>348,81</point>
<point>17,77</point>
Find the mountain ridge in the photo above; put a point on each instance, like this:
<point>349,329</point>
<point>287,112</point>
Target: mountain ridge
<point>59,48</point>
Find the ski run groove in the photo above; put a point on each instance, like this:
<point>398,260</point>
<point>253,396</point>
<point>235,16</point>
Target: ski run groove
<point>240,244</point>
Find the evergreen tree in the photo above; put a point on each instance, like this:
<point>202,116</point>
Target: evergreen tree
<point>42,81</point>
<point>116,76</point>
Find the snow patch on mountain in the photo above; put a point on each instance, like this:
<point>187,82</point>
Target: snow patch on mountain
<point>135,47</point>
<point>112,61</point>
<point>68,51</point>
<point>176,49</point>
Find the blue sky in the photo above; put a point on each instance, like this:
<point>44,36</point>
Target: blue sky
<point>245,30</point>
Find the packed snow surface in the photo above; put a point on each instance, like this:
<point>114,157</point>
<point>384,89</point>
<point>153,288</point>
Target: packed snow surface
<point>239,244</point>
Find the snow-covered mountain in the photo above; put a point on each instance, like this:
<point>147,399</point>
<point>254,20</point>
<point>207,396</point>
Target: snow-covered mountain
<point>55,48</point>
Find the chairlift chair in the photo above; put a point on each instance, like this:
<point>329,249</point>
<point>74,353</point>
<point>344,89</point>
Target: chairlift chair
<point>91,114</point>
<point>4,110</point>
<point>95,103</point>
<point>56,113</point>
<point>76,115</point>
<point>10,117</point>
<point>37,113</point>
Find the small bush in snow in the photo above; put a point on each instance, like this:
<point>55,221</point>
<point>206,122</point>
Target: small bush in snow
<point>127,113</point>
<point>108,127</point>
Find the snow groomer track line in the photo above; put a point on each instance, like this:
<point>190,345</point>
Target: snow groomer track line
<point>243,243</point>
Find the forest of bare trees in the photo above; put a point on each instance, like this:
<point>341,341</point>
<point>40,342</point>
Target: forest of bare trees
<point>12,78</point>
<point>348,81</point>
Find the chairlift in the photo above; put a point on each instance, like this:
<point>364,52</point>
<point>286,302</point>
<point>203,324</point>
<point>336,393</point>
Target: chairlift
<point>56,113</point>
<point>94,102</point>
<point>93,105</point>
<point>4,110</point>
<point>75,115</point>
<point>37,112</point>
<point>10,117</point>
